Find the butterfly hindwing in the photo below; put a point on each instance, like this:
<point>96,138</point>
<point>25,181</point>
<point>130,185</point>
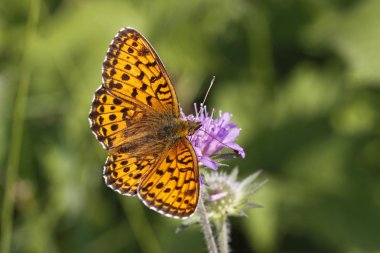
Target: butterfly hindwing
<point>123,173</point>
<point>172,187</point>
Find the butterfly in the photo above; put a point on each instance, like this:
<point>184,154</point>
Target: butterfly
<point>136,117</point>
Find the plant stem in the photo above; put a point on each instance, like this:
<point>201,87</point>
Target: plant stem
<point>206,227</point>
<point>17,132</point>
<point>223,230</point>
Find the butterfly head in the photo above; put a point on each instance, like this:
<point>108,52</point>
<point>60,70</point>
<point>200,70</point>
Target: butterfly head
<point>193,126</point>
<point>188,127</point>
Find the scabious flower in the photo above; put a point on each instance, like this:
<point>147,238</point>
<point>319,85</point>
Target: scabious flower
<point>222,195</point>
<point>226,196</point>
<point>213,136</point>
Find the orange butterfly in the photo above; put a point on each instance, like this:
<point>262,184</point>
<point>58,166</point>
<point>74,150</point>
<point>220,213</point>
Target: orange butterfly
<point>135,116</point>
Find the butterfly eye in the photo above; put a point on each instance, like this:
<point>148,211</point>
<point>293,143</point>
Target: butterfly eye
<point>193,126</point>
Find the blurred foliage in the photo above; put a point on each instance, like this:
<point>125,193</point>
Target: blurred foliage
<point>302,78</point>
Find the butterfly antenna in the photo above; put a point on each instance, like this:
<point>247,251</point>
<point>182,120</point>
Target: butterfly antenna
<point>236,151</point>
<point>209,88</point>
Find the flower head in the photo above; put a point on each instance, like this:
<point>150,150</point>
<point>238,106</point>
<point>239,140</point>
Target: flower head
<point>225,196</point>
<point>214,135</point>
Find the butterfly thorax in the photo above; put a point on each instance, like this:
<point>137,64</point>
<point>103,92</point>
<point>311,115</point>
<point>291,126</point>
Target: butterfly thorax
<point>186,127</point>
<point>156,133</point>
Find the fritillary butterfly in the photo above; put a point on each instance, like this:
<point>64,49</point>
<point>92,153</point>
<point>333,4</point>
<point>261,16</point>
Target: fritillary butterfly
<point>135,116</point>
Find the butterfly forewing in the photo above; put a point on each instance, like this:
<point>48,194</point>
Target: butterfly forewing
<point>136,97</point>
<point>133,70</point>
<point>110,116</point>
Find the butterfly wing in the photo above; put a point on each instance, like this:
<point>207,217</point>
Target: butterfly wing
<point>123,173</point>
<point>110,116</point>
<point>132,70</point>
<point>135,83</point>
<point>172,187</point>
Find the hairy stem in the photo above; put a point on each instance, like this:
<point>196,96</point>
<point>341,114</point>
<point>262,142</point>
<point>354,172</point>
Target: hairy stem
<point>223,235</point>
<point>206,227</point>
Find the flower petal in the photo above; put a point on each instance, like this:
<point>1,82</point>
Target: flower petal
<point>208,162</point>
<point>237,148</point>
<point>232,135</point>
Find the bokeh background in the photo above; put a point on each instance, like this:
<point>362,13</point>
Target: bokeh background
<point>301,77</point>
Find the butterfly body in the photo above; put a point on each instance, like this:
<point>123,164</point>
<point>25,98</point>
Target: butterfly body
<point>156,133</point>
<point>135,116</point>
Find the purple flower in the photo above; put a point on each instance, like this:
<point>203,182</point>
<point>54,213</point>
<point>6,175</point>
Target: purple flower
<point>226,196</point>
<point>213,136</point>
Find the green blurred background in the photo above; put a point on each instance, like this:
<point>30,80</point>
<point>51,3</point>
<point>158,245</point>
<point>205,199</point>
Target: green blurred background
<point>302,79</point>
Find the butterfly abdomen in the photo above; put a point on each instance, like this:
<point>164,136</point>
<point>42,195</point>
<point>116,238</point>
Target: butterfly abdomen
<point>158,133</point>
